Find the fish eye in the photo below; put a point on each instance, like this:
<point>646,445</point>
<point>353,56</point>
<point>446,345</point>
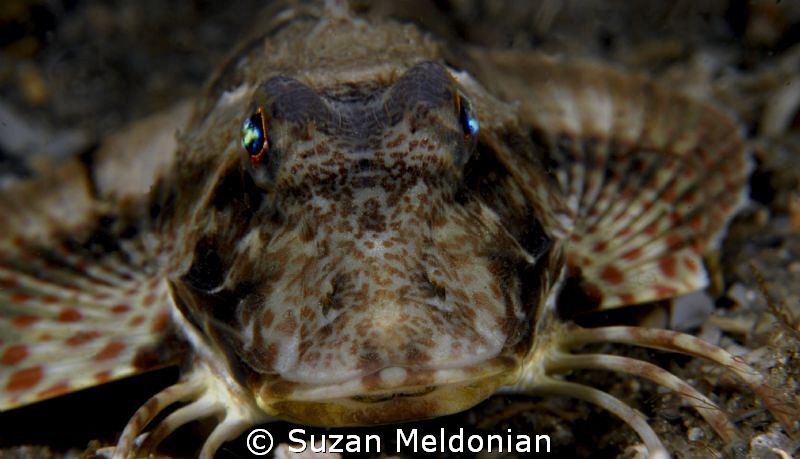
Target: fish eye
<point>467,119</point>
<point>254,136</point>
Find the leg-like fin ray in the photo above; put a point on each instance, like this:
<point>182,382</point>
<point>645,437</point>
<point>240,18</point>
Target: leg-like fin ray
<point>785,411</point>
<point>184,415</point>
<point>175,393</point>
<point>632,417</point>
<point>710,412</point>
<point>227,430</point>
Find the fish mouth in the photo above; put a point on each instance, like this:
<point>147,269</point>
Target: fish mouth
<point>389,395</point>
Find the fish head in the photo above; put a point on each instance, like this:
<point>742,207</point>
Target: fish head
<point>356,277</point>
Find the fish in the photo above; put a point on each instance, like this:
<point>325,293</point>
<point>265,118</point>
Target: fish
<point>357,223</point>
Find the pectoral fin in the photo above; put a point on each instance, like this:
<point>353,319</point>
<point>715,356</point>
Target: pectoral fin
<point>641,180</point>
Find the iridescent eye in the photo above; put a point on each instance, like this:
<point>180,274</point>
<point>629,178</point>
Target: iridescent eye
<point>469,124</point>
<point>254,136</point>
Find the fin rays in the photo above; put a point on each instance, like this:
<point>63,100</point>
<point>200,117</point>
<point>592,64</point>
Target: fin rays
<point>206,396</point>
<point>537,378</point>
<point>641,180</point>
<point>632,417</point>
<point>72,316</point>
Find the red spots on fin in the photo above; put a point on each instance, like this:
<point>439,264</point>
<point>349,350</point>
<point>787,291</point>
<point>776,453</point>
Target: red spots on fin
<point>102,376</point>
<point>572,263</point>
<point>25,378</point>
<point>56,389</point>
<point>632,254</point>
<point>612,275</point>
<point>663,197</point>
<point>665,291</point>
<point>111,350</point>
<point>14,354</point>
<point>674,241</point>
<point>120,309</point>
<point>69,315</point>
<point>24,321</point>
<point>667,265</point>
<point>627,298</point>
<point>149,300</point>
<point>136,321</point>
<point>20,298</point>
<point>81,337</point>
<point>160,322</point>
<point>691,265</point>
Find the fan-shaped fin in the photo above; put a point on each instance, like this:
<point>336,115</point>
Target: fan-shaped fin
<point>641,180</point>
<point>82,297</point>
<point>77,310</point>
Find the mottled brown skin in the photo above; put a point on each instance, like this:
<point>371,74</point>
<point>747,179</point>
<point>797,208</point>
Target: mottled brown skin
<point>380,260</point>
<point>355,244</point>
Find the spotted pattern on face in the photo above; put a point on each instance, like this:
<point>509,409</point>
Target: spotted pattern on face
<point>370,261</point>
